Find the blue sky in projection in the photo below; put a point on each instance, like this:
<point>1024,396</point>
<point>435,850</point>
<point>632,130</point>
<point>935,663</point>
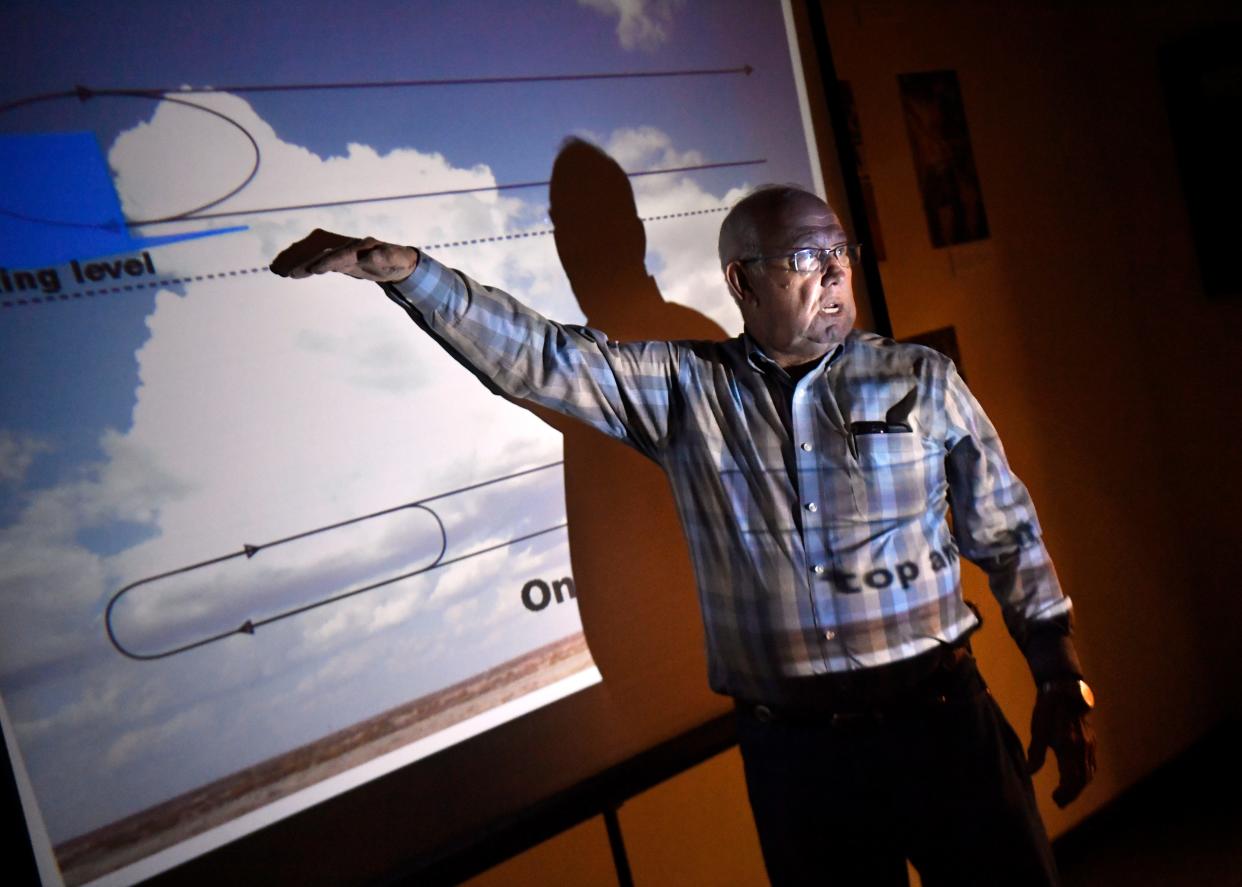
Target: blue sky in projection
<point>71,369</point>
<point>151,45</point>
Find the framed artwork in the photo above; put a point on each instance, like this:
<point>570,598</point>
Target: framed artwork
<point>943,159</point>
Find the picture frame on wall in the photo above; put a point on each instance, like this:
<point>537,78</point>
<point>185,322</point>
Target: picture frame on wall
<point>944,160</point>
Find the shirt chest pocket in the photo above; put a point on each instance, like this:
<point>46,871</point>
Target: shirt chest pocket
<point>898,472</point>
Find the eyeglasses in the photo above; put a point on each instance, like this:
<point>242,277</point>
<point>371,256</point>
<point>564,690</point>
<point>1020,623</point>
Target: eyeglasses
<point>813,260</point>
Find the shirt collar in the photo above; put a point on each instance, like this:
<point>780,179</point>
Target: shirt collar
<point>760,361</point>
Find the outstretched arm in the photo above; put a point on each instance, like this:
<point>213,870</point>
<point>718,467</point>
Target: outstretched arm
<point>623,390</point>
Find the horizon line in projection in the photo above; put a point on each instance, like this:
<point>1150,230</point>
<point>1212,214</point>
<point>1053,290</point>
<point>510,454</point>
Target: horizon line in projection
<point>286,577</point>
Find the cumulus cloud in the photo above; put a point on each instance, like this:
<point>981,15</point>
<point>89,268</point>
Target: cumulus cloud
<point>682,250</point>
<point>17,453</point>
<point>265,408</point>
<point>641,24</point>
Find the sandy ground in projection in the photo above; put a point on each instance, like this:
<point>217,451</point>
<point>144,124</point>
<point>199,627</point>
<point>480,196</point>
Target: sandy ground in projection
<point>97,853</point>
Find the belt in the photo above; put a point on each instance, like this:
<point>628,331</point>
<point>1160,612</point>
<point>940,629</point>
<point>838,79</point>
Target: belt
<point>885,691</point>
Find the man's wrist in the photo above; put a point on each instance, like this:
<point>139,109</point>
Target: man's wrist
<point>412,253</point>
<point>1073,691</point>
<point>1049,650</point>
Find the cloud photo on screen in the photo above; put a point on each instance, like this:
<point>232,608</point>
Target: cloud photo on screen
<point>264,530</point>
<point>265,408</point>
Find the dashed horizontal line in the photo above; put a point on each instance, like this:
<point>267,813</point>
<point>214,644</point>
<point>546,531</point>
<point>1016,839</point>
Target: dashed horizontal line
<point>545,232</point>
<point>57,298</point>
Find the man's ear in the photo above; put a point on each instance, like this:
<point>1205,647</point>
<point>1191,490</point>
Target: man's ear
<point>739,283</point>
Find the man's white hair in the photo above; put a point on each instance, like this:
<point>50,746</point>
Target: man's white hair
<point>739,235</point>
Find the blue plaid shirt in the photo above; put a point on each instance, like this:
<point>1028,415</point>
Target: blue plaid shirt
<point>816,523</point>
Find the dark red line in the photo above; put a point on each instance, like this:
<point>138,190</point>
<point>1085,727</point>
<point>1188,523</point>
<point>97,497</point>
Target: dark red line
<point>84,93</point>
<point>449,193</point>
<point>467,81</point>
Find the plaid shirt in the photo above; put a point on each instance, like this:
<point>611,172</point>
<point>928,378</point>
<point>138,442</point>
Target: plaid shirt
<point>819,543</point>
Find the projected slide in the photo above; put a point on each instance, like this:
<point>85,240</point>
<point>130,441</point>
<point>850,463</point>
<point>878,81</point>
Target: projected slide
<point>261,539</point>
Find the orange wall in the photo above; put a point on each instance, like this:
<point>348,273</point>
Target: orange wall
<point>1084,332</point>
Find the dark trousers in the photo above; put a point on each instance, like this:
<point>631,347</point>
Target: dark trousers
<point>939,778</point>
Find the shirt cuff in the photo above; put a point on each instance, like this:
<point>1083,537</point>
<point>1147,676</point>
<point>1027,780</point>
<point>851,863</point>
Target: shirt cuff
<point>1050,652</point>
<point>423,289</point>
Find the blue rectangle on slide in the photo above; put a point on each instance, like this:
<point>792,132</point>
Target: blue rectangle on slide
<point>60,203</point>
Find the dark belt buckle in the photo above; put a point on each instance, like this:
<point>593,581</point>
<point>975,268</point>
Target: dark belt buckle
<point>762,714</point>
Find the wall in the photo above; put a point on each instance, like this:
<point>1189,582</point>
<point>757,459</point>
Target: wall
<point>1085,333</point>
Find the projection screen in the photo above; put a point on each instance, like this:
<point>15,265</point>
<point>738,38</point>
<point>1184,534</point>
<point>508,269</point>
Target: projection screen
<point>261,540</point>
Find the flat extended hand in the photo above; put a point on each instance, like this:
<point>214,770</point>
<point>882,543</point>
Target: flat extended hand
<point>323,252</point>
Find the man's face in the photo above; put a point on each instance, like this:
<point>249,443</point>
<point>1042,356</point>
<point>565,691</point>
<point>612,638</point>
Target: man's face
<point>797,318</point>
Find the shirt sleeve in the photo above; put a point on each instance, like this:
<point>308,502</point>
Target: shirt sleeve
<point>996,528</point>
<point>621,389</point>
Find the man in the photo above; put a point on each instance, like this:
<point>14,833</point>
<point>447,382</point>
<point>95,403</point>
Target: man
<point>814,467</point>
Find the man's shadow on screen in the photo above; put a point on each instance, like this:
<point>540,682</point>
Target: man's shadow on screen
<point>639,612</point>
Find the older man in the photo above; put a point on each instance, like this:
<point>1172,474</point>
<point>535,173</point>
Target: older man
<point>814,468</point>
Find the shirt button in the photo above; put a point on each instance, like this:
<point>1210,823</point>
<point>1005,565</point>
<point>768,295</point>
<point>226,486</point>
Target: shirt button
<point>830,634</point>
<point>806,447</point>
<point>819,569</point>
<point>811,506</point>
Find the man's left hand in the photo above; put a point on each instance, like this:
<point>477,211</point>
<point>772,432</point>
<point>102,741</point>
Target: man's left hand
<point>1060,723</point>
